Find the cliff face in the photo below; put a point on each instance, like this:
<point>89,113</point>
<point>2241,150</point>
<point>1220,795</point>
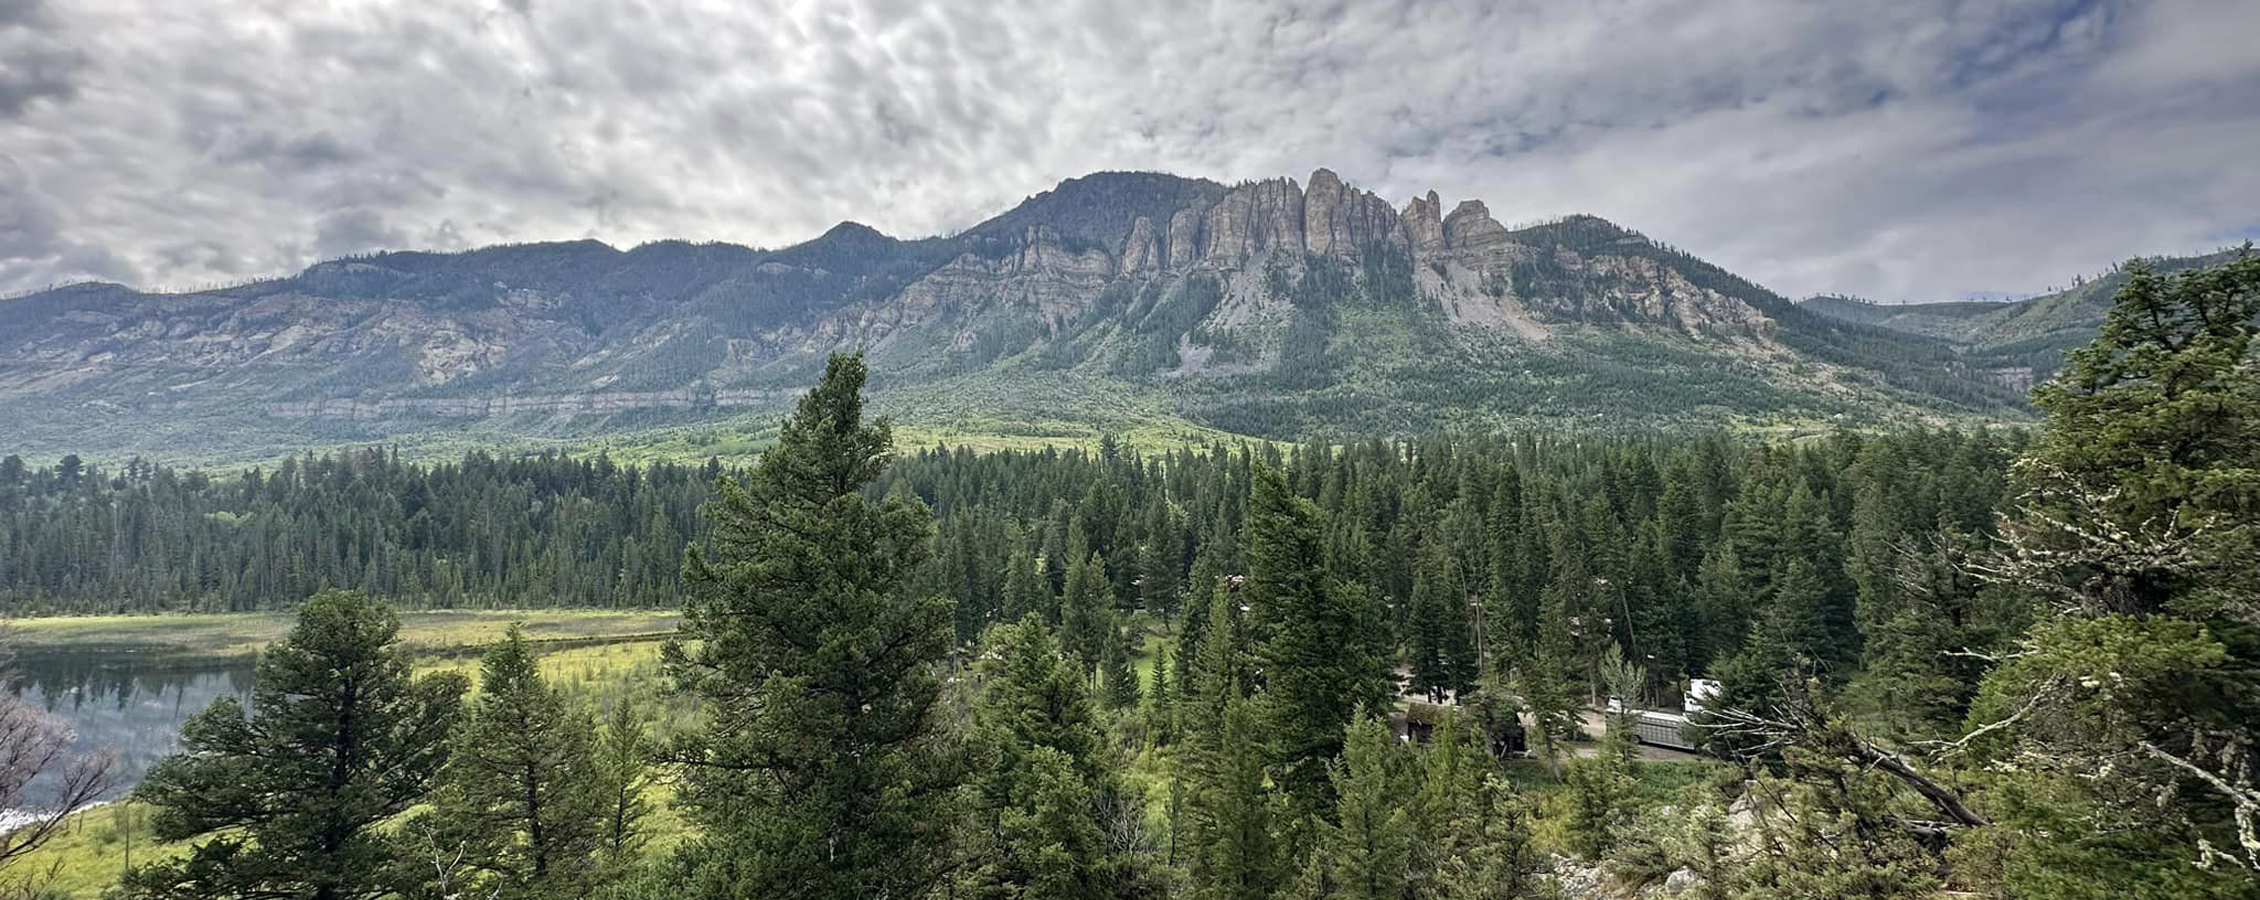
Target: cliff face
<point>1151,281</point>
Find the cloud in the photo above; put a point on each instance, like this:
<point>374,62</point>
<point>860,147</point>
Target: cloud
<point>1915,150</point>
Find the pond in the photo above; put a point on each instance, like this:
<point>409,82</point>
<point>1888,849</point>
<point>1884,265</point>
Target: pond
<point>124,701</point>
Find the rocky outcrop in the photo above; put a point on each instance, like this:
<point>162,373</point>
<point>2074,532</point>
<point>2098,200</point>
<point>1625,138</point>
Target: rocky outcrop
<point>1471,230</point>
<point>1184,239</point>
<point>1423,220</point>
<point>1343,223</point>
<point>599,403</point>
<point>1141,252</point>
<point>1252,220</point>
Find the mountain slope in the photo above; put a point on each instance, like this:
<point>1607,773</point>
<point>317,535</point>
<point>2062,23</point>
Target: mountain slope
<point>1267,308</point>
<point>2022,340</point>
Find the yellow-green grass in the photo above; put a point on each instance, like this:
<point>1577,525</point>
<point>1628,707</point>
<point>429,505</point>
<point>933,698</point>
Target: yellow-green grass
<point>238,634</point>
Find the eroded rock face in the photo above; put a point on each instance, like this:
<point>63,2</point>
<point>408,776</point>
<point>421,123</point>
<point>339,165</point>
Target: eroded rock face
<point>1252,220</point>
<point>1424,226</point>
<point>1184,239</point>
<point>1141,252</point>
<point>1343,223</point>
<point>1470,229</point>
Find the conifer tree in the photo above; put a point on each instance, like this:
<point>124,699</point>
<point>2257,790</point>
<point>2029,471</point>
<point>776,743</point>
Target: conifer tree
<point>1087,611</point>
<point>1320,648</point>
<point>823,770</point>
<point>1045,773</point>
<point>1492,854</point>
<point>1443,651</point>
<point>624,774</point>
<point>1025,592</point>
<point>1365,852</point>
<point>289,798</point>
<point>1236,852</point>
<point>1548,689</point>
<point>1117,673</point>
<point>522,791</point>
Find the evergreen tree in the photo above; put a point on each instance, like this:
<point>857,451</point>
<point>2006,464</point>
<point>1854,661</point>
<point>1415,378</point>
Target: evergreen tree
<point>1235,816</point>
<point>1318,645</point>
<point>1045,774</point>
<point>1548,690</point>
<point>1025,592</point>
<point>1118,673</point>
<point>289,798</point>
<point>823,770</point>
<point>2136,548</point>
<point>1087,611</point>
<point>624,775</point>
<point>1492,855</point>
<point>1443,652</point>
<point>1365,853</point>
<point>522,793</point>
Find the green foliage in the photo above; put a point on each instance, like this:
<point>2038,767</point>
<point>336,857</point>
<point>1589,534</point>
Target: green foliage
<point>1600,802</point>
<point>520,802</point>
<point>1365,851</point>
<point>624,774</point>
<point>1045,780</point>
<point>289,797</point>
<point>1317,642</point>
<point>824,772</point>
<point>1235,817</point>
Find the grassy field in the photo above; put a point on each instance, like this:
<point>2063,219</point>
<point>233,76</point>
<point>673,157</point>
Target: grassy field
<point>240,634</point>
<point>598,657</point>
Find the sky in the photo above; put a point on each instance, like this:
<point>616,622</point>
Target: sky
<point>1903,151</point>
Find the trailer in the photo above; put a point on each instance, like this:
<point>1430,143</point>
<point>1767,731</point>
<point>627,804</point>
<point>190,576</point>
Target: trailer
<point>1663,729</point>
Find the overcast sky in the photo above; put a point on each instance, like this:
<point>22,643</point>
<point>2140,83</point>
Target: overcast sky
<point>1902,150</point>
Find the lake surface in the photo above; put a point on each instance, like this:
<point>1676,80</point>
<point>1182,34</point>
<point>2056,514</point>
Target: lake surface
<point>124,701</point>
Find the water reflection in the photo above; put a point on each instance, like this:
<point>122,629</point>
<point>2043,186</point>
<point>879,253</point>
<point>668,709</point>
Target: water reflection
<point>125,702</point>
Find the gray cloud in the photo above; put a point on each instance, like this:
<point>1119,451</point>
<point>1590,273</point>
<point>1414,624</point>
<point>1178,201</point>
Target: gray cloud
<point>1914,150</point>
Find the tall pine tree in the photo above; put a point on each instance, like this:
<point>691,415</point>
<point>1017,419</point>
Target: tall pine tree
<point>823,771</point>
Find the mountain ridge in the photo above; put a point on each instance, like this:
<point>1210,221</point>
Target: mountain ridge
<point>1273,308</point>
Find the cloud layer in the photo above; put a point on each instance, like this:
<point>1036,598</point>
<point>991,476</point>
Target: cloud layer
<point>1922,149</point>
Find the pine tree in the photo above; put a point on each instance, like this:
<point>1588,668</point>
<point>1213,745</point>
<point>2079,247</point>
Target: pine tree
<point>1492,854</point>
<point>1235,817</point>
<point>624,774</point>
<point>823,771</point>
<point>1087,611</point>
<point>1548,689</point>
<point>289,798</point>
<point>1319,647</point>
<point>1365,852</point>
<point>1025,593</point>
<point>522,795</point>
<point>2135,548</point>
<point>1161,566</point>
<point>1118,673</point>
<point>1044,772</point>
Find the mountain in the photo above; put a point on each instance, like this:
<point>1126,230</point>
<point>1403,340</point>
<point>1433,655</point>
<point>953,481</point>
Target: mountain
<point>2022,341</point>
<point>1115,301</point>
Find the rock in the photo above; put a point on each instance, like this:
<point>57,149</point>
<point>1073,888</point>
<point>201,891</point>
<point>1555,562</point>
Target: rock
<point>1184,238</point>
<point>1342,222</point>
<point>1680,881</point>
<point>1470,228</point>
<point>1252,219</point>
<point>1424,225</point>
<point>1576,880</point>
<point>1141,252</point>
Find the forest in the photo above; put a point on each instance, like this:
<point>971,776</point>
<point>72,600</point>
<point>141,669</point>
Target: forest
<point>1998,662</point>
